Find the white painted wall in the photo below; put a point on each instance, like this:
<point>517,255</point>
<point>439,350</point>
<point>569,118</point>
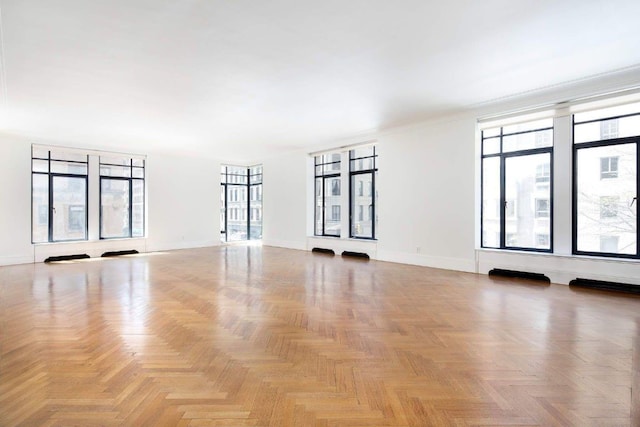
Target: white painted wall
<point>182,207</point>
<point>285,199</point>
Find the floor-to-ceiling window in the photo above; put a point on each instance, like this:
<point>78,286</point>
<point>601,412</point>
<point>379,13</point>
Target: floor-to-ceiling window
<point>606,182</point>
<point>241,203</point>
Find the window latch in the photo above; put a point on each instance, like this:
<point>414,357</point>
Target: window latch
<point>633,201</point>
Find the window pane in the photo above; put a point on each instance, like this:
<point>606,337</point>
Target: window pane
<point>524,127</point>
<point>606,187</point>
<point>237,212</point>
<point>255,211</point>
<point>114,208</point>
<point>604,113</point>
<point>69,208</point>
<point>40,166</point>
<point>137,208</point>
<point>491,202</point>
<point>40,203</point>
<point>362,208</point>
<point>69,168</point>
<point>525,141</point>
<point>487,133</point>
<point>332,202</point>
<point>607,129</point>
<point>138,172</point>
<point>531,215</point>
<point>39,153</point>
<point>120,171</point>
<point>118,161</point>
<point>138,162</point>
<point>318,207</point>
<point>491,146</point>
<point>73,157</point>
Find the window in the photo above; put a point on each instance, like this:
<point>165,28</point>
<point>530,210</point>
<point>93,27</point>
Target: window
<point>606,156</point>
<point>542,208</point>
<point>363,170</point>
<point>59,194</point>
<point>335,212</point>
<point>516,186</point>
<point>327,190</point>
<point>121,197</point>
<point>241,203</point>
<point>608,167</point>
<point>361,195</point>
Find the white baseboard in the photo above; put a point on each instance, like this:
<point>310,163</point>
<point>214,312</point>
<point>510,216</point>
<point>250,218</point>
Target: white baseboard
<point>456,264</point>
<point>287,244</point>
<point>13,260</point>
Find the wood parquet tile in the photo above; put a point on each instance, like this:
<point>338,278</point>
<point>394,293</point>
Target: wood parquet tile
<point>251,336</point>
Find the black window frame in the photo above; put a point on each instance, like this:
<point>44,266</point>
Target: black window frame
<point>373,171</point>
<point>324,175</point>
<point>232,183</point>
<point>576,147</point>
<point>51,177</point>
<point>503,155</point>
<point>130,179</point>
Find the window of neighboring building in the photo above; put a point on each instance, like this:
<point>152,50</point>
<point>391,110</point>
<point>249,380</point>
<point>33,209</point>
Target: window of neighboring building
<point>608,167</point>
<point>516,186</point>
<point>606,143</point>
<point>363,170</point>
<point>121,197</point>
<point>241,203</point>
<point>327,190</point>
<point>59,194</point>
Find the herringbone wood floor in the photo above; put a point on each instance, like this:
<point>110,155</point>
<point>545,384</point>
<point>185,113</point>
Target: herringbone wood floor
<point>250,336</point>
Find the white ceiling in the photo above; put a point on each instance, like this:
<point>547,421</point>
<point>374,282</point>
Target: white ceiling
<point>238,79</point>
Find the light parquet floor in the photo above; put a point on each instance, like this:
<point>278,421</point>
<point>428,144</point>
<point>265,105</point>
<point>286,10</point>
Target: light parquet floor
<point>251,336</point>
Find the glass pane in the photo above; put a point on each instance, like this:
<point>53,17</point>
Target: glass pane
<point>604,113</point>
<point>332,206</point>
<point>39,153</point>
<point>40,203</point>
<point>528,202</point>
<point>73,157</point>
<point>137,208</point>
<point>255,213</point>
<point>120,171</point>
<point>138,172</point>
<point>318,206</point>
<point>120,161</point>
<point>69,208</point>
<point>223,209</point>
<point>524,127</point>
<point>491,146</point>
<point>487,133</point>
<point>606,186</point>
<point>526,141</point>
<point>69,168</point>
<point>361,152</point>
<point>114,208</point>
<point>491,202</point>
<point>362,209</point>
<point>362,164</point>
<point>237,212</point>
<point>138,162</point>
<point>607,129</point>
<point>40,165</point>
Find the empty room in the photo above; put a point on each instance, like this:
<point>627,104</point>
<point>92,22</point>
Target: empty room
<point>336,213</point>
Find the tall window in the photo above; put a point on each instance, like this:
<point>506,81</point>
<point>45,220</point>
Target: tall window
<point>241,203</point>
<point>121,197</point>
<point>59,195</point>
<point>516,186</point>
<point>327,195</point>
<point>363,170</point>
<point>606,159</point>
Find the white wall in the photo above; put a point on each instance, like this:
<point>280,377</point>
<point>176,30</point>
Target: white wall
<point>182,207</point>
<point>15,201</point>
<point>285,191</point>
